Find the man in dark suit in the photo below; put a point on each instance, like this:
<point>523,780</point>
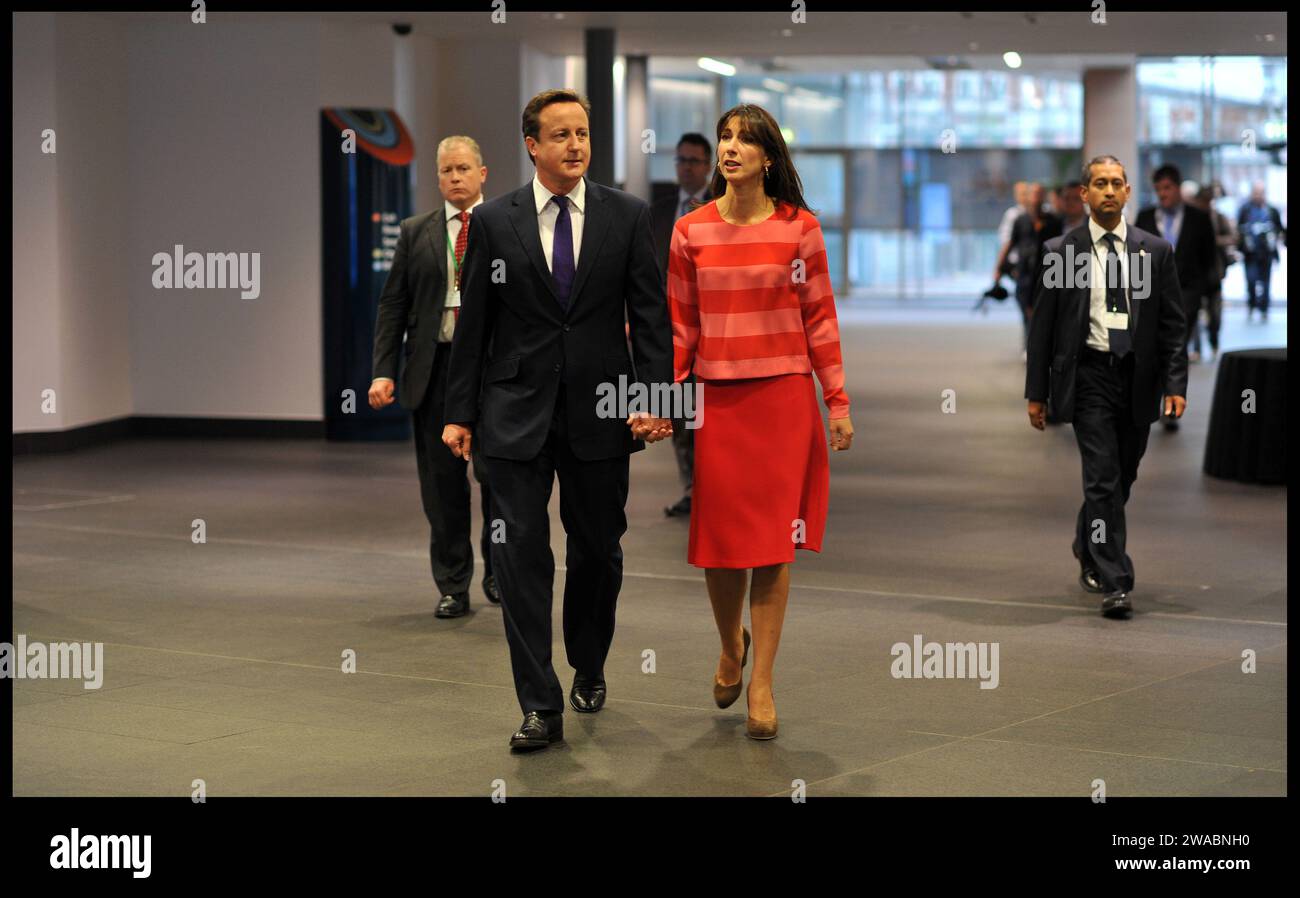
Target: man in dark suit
<point>694,162</point>
<point>1259,229</point>
<point>1191,233</point>
<point>1107,340</point>
<point>422,300</point>
<point>553,273</point>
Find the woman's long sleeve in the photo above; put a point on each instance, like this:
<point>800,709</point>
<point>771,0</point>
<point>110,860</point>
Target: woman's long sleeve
<point>821,326</point>
<point>683,304</point>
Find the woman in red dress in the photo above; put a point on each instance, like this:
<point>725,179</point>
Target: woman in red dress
<point>752,311</point>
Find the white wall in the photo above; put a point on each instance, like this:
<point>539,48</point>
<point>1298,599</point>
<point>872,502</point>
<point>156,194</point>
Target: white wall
<point>478,89</point>
<point>207,136</point>
<point>226,161</point>
<point>70,219</point>
<point>35,270</point>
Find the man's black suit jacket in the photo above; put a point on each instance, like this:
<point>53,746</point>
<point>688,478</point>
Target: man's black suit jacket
<point>412,302</point>
<point>515,336</point>
<point>1196,254</point>
<point>1058,329</point>
<point>663,215</point>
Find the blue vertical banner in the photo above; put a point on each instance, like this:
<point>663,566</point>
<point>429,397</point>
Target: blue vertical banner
<point>366,158</point>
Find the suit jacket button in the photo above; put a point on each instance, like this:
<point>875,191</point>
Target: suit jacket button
<point>556,369</point>
<point>567,328</point>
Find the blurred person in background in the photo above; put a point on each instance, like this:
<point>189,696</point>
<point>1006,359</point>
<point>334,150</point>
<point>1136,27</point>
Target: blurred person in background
<point>1259,230</point>
<point>694,162</point>
<point>1225,237</point>
<point>1031,230</point>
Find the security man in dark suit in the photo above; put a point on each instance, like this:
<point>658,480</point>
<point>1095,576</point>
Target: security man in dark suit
<point>1106,342</point>
<point>694,162</point>
<point>422,298</point>
<point>1191,233</point>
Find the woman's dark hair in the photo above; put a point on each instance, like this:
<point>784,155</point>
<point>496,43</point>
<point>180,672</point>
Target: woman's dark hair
<point>782,182</point>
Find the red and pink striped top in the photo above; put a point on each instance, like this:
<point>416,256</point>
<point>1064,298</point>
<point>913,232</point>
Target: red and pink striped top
<point>741,306</point>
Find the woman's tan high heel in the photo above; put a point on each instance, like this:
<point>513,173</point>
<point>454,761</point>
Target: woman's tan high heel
<point>724,695</point>
<point>760,729</point>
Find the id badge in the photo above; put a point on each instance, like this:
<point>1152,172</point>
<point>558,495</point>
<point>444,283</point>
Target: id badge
<point>453,301</point>
<point>1115,321</point>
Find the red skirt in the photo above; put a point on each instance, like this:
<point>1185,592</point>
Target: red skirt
<point>761,475</point>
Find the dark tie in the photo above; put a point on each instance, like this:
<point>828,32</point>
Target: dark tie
<point>562,252</point>
<point>1120,342</point>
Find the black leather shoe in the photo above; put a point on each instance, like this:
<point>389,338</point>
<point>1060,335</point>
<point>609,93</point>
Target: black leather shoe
<point>490,590</point>
<point>1116,604</point>
<point>539,729</point>
<point>680,508</point>
<point>587,694</point>
<point>1089,580</point>
<point>453,605</point>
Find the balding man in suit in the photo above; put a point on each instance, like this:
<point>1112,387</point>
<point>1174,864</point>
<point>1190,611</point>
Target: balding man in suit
<point>421,298</point>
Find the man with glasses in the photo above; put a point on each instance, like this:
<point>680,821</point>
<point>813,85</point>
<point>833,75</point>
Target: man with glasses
<point>694,161</point>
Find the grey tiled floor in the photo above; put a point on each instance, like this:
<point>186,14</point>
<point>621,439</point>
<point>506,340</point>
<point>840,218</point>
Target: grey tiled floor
<point>223,659</point>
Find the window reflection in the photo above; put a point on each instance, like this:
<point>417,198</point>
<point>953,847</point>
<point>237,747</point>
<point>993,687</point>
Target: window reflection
<point>903,218</point>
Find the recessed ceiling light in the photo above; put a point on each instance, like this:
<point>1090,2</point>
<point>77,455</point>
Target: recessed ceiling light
<point>1012,59</point>
<point>716,66</point>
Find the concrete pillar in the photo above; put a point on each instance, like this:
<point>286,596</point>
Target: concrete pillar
<point>1110,121</point>
<point>638,120</point>
<point>599,44</point>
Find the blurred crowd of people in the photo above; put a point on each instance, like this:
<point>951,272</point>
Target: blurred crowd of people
<point>1206,244</point>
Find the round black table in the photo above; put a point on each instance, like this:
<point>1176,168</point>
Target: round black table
<point>1246,445</point>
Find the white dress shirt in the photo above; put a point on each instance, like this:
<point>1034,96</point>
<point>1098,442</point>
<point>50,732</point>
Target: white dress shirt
<point>1098,337</point>
<point>1004,231</point>
<point>548,211</point>
<point>1162,222</point>
<point>451,301</point>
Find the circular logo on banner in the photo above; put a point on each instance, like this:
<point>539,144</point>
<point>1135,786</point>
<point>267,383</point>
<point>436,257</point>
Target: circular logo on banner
<point>379,132</point>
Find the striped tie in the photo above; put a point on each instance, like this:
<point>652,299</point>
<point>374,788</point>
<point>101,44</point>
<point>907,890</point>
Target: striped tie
<point>462,240</point>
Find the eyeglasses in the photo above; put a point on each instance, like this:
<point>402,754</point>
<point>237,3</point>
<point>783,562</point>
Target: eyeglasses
<point>690,160</point>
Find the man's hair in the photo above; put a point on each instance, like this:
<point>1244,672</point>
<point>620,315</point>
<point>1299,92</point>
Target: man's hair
<point>533,111</point>
<point>1167,172</point>
<point>460,140</point>
<point>1105,159</point>
<point>699,140</point>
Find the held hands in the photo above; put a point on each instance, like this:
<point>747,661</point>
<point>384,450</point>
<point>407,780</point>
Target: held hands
<point>841,434</point>
<point>652,430</point>
<point>457,439</point>
<point>1174,406</point>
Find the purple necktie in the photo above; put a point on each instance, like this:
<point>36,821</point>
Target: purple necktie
<point>562,252</point>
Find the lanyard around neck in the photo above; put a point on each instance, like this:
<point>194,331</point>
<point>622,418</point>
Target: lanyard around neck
<point>455,263</point>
